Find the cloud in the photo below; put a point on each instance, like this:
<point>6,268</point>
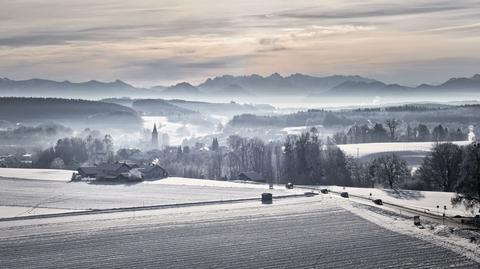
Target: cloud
<point>371,10</point>
<point>177,68</point>
<point>154,41</point>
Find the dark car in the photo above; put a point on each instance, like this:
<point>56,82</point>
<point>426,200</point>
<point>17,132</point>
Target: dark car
<point>324,191</point>
<point>344,194</point>
<point>378,201</point>
<point>289,185</point>
<point>310,193</point>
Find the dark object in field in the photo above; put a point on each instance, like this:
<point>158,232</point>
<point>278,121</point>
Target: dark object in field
<point>289,185</point>
<point>267,198</point>
<point>310,193</point>
<point>344,194</point>
<point>473,239</point>
<point>324,191</point>
<point>457,217</point>
<point>416,221</point>
<point>378,201</point>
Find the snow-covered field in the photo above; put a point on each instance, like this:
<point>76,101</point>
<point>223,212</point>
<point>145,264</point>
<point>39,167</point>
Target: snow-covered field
<point>297,130</point>
<point>50,196</point>
<point>20,211</point>
<point>308,232</point>
<point>74,196</point>
<point>40,174</point>
<point>211,183</point>
<point>426,201</point>
<point>365,149</point>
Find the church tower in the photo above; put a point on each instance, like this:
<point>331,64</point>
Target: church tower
<point>154,136</point>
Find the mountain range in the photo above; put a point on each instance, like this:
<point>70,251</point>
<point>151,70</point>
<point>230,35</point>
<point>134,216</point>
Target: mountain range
<point>236,86</point>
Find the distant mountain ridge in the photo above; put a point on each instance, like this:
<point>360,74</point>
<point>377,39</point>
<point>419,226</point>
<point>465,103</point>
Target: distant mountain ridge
<point>51,88</point>
<point>276,83</point>
<point>235,86</point>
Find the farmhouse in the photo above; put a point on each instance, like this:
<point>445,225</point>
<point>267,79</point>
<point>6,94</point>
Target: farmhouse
<point>152,171</point>
<point>252,176</point>
<point>105,171</point>
<point>122,171</point>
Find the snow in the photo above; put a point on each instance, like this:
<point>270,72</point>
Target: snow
<point>434,233</point>
<point>297,130</point>
<point>20,211</point>
<point>426,201</point>
<point>18,196</point>
<point>365,149</point>
<point>212,183</point>
<point>38,174</point>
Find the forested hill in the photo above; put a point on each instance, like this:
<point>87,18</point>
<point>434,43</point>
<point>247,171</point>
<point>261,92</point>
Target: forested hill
<point>69,112</point>
<point>433,114</point>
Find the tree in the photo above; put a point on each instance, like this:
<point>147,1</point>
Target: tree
<point>410,133</point>
<point>468,186</point>
<point>336,171</point>
<point>289,160</point>
<point>214,146</point>
<point>441,169</point>
<point>423,134</point>
<point>378,133</point>
<point>392,125</point>
<point>439,133</point>
<point>390,170</point>
<point>359,173</point>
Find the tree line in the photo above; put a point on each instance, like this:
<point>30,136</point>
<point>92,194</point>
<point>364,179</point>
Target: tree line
<point>391,131</point>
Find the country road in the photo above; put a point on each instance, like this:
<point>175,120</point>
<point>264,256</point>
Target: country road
<point>291,233</point>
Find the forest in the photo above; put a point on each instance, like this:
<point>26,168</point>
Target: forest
<point>71,112</point>
<point>430,114</point>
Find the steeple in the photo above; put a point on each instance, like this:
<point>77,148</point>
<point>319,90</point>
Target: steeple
<point>154,136</point>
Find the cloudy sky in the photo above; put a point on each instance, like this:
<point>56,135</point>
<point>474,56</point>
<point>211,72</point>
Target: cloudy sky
<point>148,42</point>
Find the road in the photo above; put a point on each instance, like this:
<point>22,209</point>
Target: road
<point>311,232</point>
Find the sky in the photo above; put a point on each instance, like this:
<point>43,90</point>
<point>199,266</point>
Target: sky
<point>162,42</point>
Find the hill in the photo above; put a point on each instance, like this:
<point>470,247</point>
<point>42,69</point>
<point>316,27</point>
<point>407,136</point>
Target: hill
<point>69,112</point>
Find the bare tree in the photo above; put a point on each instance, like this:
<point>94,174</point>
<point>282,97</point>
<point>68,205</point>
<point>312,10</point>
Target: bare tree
<point>390,170</point>
<point>392,125</point>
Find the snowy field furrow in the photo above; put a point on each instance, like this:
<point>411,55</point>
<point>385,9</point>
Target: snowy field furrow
<point>293,233</point>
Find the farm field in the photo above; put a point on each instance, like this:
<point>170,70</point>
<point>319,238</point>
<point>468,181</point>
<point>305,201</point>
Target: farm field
<point>365,149</point>
<point>39,174</point>
<point>420,200</point>
<point>33,197</point>
<point>293,233</point>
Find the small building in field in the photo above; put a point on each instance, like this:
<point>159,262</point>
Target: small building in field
<point>107,171</point>
<point>251,176</point>
<point>87,171</point>
<point>153,171</point>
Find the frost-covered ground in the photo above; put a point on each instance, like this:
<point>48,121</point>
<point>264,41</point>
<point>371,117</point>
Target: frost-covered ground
<point>319,231</point>
<point>426,201</point>
<point>365,149</point>
<point>40,174</point>
<point>211,183</point>
<point>297,130</point>
<point>20,211</point>
<point>316,232</point>
<point>31,197</point>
